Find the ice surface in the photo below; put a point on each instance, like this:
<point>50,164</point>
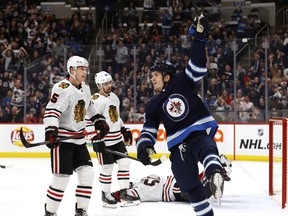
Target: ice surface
<point>23,191</point>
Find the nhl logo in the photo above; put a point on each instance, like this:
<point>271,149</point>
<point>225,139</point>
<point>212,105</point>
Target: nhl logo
<point>260,131</point>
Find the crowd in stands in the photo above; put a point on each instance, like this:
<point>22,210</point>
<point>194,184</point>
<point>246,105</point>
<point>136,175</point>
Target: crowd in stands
<point>28,35</point>
<point>35,39</point>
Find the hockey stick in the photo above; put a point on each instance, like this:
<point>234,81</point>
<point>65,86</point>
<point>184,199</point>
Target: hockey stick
<point>153,163</point>
<point>5,166</point>
<point>26,144</point>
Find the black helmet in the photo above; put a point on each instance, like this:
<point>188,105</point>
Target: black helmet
<point>166,67</point>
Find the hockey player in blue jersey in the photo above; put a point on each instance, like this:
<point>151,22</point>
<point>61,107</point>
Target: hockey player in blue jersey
<point>189,125</point>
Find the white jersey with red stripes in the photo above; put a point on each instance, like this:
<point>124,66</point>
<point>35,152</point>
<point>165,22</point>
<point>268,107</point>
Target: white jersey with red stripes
<point>152,188</point>
<point>67,109</point>
<point>109,107</point>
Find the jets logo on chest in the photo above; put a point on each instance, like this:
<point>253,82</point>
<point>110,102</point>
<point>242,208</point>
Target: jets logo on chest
<point>176,107</point>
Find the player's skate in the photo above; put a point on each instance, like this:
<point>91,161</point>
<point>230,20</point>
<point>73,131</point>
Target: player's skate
<point>127,200</point>
<point>47,213</point>
<point>217,185</point>
<point>80,212</point>
<point>108,200</point>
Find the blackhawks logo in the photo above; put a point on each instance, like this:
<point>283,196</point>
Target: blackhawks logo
<point>64,85</point>
<point>95,96</point>
<point>80,111</point>
<point>113,113</point>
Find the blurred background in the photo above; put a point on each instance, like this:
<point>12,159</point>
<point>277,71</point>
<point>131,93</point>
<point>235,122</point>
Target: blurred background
<point>247,52</point>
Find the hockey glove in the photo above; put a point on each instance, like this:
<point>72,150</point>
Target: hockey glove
<point>199,27</point>
<point>127,135</point>
<point>98,144</point>
<point>144,149</point>
<point>101,126</point>
<point>51,134</point>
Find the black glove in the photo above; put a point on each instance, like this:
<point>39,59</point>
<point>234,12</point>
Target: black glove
<point>51,134</point>
<point>101,126</point>
<point>127,135</point>
<point>144,149</point>
<point>199,27</point>
<point>98,144</point>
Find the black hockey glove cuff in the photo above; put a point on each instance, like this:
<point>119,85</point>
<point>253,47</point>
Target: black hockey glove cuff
<point>98,144</point>
<point>145,148</point>
<point>127,135</point>
<point>101,126</point>
<point>51,134</point>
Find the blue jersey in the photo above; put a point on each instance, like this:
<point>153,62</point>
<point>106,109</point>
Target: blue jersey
<point>178,106</point>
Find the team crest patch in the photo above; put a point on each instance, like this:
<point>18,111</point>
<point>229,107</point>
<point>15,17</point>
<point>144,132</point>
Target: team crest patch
<point>64,85</point>
<point>80,111</point>
<point>94,97</point>
<point>113,113</point>
<point>176,107</point>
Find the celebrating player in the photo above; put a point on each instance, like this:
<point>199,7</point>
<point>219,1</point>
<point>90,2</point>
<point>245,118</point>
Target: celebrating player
<point>189,125</point>
<point>107,104</point>
<point>65,117</point>
<point>152,188</point>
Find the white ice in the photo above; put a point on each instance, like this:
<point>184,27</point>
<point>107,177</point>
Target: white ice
<point>23,191</point>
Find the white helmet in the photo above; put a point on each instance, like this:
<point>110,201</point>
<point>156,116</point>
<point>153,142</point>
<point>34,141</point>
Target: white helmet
<point>76,61</point>
<point>102,77</point>
<point>213,66</point>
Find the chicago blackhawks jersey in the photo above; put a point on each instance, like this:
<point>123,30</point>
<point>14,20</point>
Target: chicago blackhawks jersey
<point>152,188</point>
<point>178,105</point>
<point>67,109</point>
<point>109,108</point>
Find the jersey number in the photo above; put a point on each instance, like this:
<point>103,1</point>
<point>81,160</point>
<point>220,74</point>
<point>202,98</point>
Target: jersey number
<point>151,181</point>
<point>54,98</point>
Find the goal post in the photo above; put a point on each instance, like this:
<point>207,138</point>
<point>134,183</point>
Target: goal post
<point>278,159</point>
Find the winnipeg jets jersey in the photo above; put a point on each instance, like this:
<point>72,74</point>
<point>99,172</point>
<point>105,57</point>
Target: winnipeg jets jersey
<point>109,108</point>
<point>152,188</point>
<point>67,109</point>
<point>178,106</point>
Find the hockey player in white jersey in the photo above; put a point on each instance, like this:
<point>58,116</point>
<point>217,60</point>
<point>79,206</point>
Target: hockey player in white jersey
<point>154,188</point>
<point>107,104</point>
<point>69,104</point>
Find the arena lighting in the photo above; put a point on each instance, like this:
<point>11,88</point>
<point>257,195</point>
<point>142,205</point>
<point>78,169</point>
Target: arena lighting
<point>245,40</point>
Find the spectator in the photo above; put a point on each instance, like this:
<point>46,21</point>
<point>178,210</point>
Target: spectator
<point>3,115</point>
<point>15,115</point>
<point>166,20</point>
<point>139,116</point>
<point>122,53</point>
<point>222,109</point>
<point>246,109</point>
<point>18,94</point>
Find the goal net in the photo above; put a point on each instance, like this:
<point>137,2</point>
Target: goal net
<point>278,159</point>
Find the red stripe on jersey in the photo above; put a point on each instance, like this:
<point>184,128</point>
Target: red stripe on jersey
<point>166,189</point>
<point>52,113</point>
